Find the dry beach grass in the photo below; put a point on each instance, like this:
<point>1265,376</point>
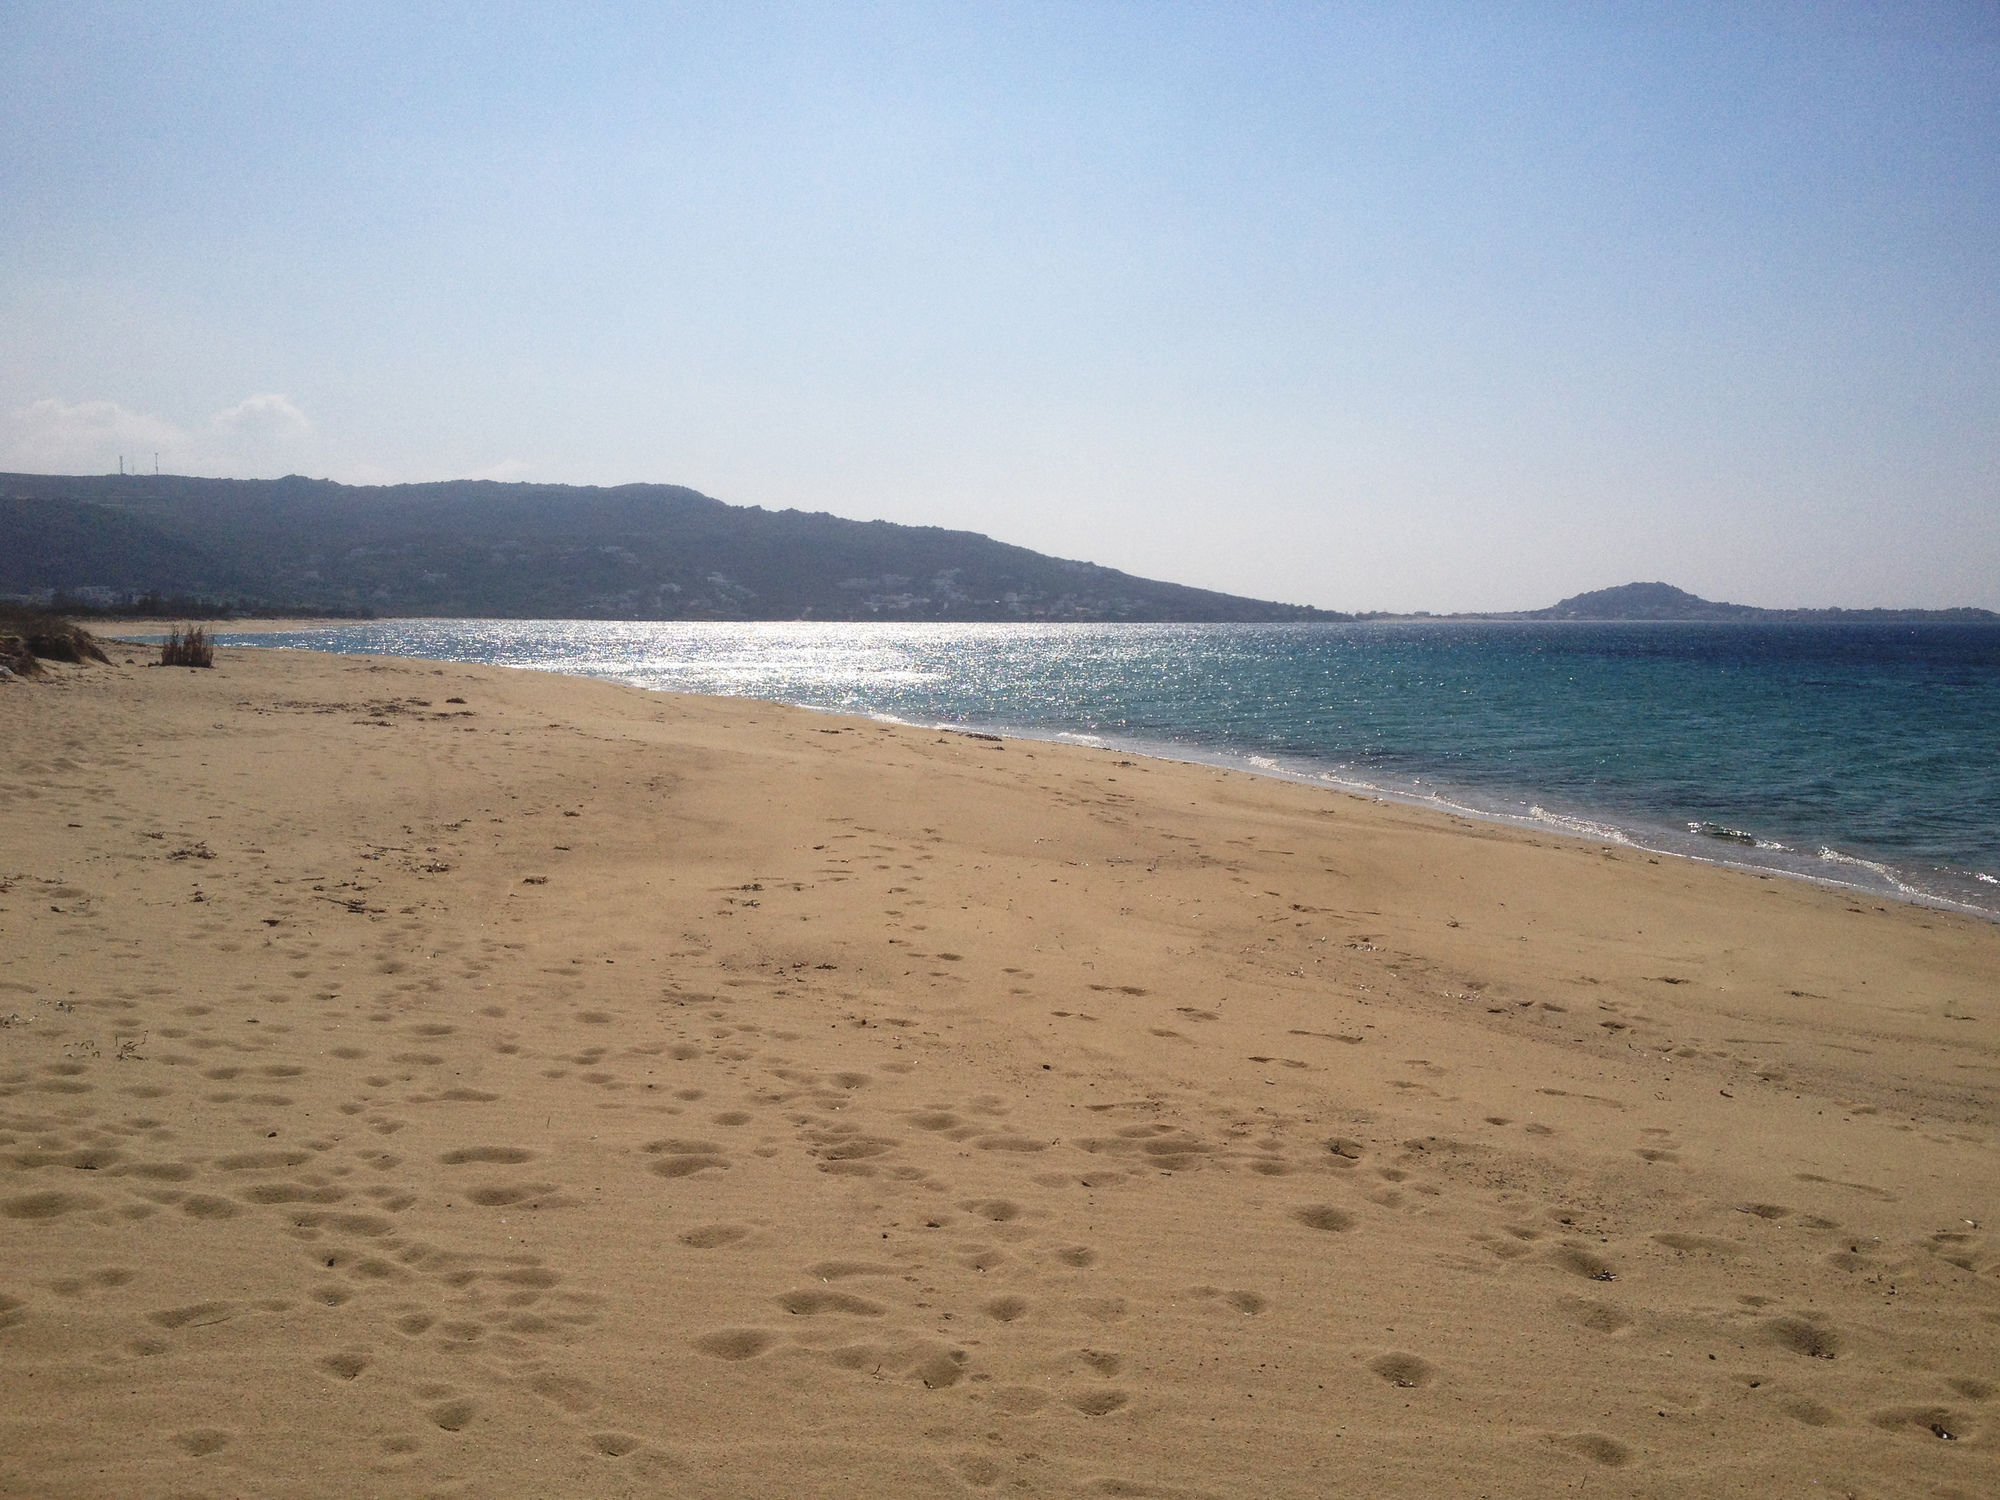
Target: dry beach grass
<point>28,636</point>
<point>431,1079</point>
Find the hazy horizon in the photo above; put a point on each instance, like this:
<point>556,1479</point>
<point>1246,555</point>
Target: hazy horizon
<point>1370,307</point>
<point>1568,593</point>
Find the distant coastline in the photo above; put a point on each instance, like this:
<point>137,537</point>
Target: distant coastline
<point>1662,603</point>
<point>477,549</point>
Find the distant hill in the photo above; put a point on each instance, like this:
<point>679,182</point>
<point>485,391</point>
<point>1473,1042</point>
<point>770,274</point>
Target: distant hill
<point>477,548</point>
<point>1662,601</point>
<point>1641,601</point>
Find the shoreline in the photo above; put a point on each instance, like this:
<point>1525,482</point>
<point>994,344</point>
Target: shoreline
<point>1577,826</point>
<point>580,1087</point>
<point>1561,825</point>
<point>1889,881</point>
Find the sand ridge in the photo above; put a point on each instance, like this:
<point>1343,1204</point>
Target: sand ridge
<point>420,1078</point>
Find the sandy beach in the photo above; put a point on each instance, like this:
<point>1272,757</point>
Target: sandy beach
<point>421,1079</point>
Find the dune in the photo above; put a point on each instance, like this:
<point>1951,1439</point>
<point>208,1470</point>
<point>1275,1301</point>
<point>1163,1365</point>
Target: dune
<point>433,1079</point>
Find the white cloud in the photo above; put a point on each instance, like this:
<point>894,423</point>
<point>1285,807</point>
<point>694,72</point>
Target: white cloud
<point>260,435</point>
<point>87,437</point>
<point>266,418</point>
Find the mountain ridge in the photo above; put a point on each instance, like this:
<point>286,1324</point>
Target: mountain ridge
<point>469,547</point>
<point>480,547</point>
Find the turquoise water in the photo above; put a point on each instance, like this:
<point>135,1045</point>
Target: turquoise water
<point>1864,755</point>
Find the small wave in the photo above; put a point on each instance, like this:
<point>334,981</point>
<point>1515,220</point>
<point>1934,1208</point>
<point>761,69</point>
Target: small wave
<point>1073,737</point>
<point>1873,867</point>
<point>1350,783</point>
<point>1982,875</point>
<point>1604,833</point>
<point>1264,763</point>
<point>1724,831</point>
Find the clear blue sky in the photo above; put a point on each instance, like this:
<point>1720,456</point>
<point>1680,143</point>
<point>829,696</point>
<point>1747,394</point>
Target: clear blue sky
<point>1366,306</point>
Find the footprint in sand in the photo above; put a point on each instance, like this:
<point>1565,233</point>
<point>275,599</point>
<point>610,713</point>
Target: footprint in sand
<point>812,1301</point>
<point>505,1195</point>
<point>290,1192</point>
<point>497,1155</point>
<point>680,1158</point>
<point>1008,1142</point>
<point>1801,1336</point>
<point>158,1171</point>
<point>1005,1309</point>
<point>713,1236</point>
<point>347,1364</point>
<point>1811,1413</point>
<point>938,1368</point>
<point>194,1315</point>
<point>736,1343</point>
<point>1099,1403</point>
<point>453,1415</point>
<point>263,1161</point>
<point>1933,1422</point>
<point>1691,1244</point>
<point>36,1207</point>
<point>1581,1262</point>
<point>1598,1317</point>
<point>76,1286</point>
<point>1324,1217</point>
<point>840,1270</point>
<point>1405,1371</point>
<point>1596,1447</point>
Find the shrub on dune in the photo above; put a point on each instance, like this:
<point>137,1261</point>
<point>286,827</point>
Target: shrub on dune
<point>187,648</point>
<point>31,636</point>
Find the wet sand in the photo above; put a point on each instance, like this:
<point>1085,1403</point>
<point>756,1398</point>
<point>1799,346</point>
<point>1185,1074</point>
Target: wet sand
<point>577,1090</point>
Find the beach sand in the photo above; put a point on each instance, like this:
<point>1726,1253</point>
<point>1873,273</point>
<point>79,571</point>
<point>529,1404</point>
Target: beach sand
<point>573,1090</point>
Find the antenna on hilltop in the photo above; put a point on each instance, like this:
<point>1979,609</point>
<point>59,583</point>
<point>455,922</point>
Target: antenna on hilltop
<point>121,463</point>
<point>156,463</point>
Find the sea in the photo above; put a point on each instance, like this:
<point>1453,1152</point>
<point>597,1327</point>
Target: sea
<point>1865,756</point>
